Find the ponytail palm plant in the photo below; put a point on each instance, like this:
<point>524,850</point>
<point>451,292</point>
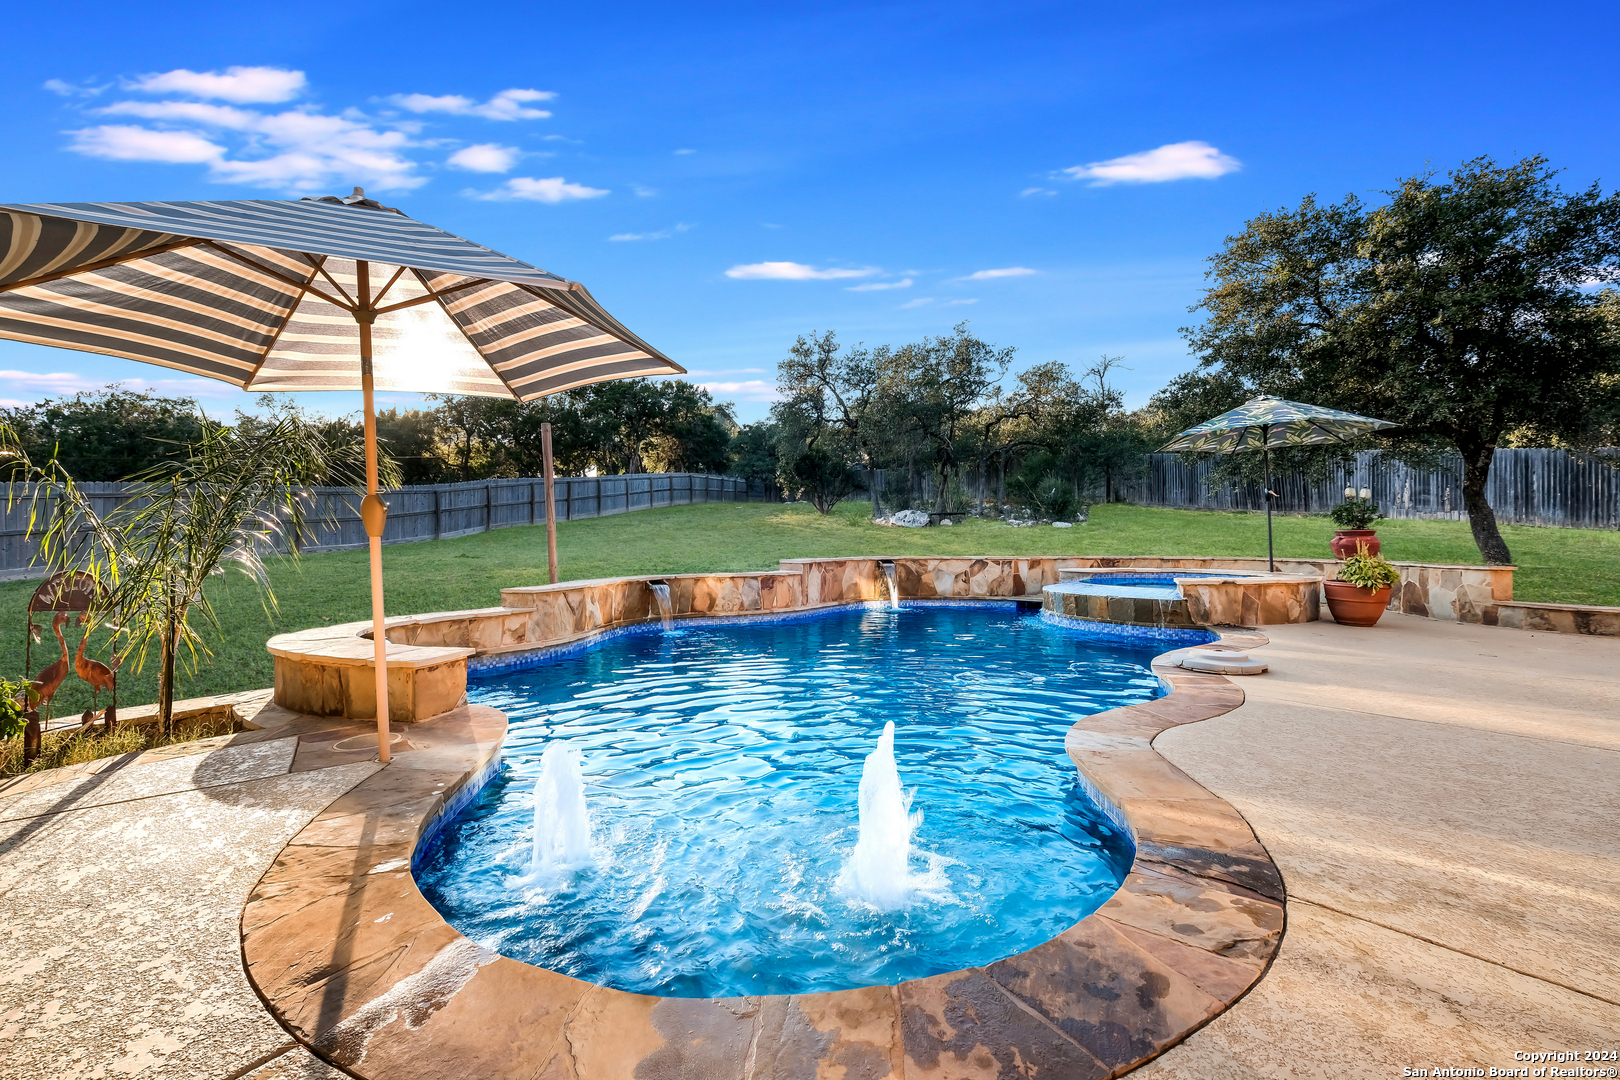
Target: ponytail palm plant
<point>230,501</point>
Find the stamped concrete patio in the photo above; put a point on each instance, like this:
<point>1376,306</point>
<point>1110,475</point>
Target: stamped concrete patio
<point>1439,798</point>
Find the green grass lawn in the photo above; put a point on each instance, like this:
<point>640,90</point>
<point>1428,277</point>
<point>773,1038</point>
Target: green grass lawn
<point>1562,565</point>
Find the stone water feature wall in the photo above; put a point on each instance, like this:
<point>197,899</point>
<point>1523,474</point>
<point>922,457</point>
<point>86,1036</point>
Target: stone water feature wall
<point>326,671</point>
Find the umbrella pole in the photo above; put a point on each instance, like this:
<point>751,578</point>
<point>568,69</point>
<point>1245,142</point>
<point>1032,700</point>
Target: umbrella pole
<point>551,502</point>
<point>1271,551</point>
<point>373,513</point>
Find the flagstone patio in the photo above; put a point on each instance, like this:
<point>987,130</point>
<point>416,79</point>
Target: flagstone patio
<point>1439,799</point>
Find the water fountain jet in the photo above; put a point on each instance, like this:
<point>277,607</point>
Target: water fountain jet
<point>562,823</point>
<point>879,870</point>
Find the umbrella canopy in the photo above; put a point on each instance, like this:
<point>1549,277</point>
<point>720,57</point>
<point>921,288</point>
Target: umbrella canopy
<point>311,294</point>
<point>1265,422</point>
<point>263,294</point>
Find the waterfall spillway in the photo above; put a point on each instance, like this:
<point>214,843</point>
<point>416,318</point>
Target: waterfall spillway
<point>660,591</point>
<point>879,869</point>
<point>888,576</point>
<point>562,824</point>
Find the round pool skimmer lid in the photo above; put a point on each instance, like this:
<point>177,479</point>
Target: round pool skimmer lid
<point>1222,663</point>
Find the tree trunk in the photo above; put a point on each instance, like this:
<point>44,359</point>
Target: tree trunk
<point>166,685</point>
<point>1001,483</point>
<point>1481,518</point>
<point>872,487</point>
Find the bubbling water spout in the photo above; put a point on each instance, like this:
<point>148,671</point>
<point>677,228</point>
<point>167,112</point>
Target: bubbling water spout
<point>562,824</point>
<point>879,869</point>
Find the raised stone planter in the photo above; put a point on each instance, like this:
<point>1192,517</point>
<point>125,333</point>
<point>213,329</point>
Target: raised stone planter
<point>328,672</point>
<point>1554,618</point>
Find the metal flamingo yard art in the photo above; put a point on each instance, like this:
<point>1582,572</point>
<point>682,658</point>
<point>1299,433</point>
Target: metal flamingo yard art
<point>67,595</point>
<point>99,676</point>
<point>49,679</point>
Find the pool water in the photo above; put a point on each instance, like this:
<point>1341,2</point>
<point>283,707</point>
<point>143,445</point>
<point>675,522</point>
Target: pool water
<point>721,766</point>
<point>1144,586</point>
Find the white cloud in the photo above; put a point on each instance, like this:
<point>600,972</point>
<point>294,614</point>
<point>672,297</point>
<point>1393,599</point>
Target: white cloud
<point>685,150</point>
<point>1004,272</point>
<point>506,105</point>
<point>34,385</point>
<point>1173,161</point>
<point>921,301</point>
<point>242,85</point>
<point>792,271</point>
<point>67,89</point>
<point>552,189</point>
<point>298,150</point>
<point>1036,191</point>
<point>186,112</point>
<point>661,234</point>
<point>485,157</point>
<point>959,303</point>
<point>747,390</point>
<point>876,286</point>
<point>120,142</point>
<point>318,151</point>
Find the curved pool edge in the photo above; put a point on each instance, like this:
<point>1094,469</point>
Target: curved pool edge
<point>354,962</point>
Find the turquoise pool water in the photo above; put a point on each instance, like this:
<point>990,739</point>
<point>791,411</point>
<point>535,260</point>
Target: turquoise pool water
<point>721,766</point>
<point>1142,585</point>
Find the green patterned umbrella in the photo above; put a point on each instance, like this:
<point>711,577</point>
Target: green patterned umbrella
<point>1264,422</point>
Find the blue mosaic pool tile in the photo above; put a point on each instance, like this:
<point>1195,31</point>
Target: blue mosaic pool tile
<point>453,806</point>
<point>1103,803</point>
<point>1127,633</point>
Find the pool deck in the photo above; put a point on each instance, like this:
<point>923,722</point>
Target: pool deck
<point>1440,799</point>
<point>1442,802</point>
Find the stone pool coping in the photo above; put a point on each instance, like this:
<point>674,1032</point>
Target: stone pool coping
<point>354,962</point>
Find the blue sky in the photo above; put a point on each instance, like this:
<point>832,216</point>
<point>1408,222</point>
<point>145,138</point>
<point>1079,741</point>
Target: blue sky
<point>725,177</point>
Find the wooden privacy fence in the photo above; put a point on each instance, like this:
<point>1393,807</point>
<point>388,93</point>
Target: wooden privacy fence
<point>1526,487</point>
<point>433,511</point>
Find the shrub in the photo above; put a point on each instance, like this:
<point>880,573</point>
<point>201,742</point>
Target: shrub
<point>75,747</point>
<point>12,696</point>
<point>1356,512</point>
<point>1368,571</point>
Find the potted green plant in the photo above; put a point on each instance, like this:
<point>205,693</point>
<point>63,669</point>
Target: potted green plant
<point>1360,592</point>
<point>1354,518</point>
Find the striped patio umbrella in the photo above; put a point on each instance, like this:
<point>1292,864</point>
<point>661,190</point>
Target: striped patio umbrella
<point>311,294</point>
<point>1264,422</point>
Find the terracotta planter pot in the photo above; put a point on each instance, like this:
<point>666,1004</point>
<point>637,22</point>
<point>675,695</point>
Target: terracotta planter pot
<point>1346,542</point>
<point>1354,606</point>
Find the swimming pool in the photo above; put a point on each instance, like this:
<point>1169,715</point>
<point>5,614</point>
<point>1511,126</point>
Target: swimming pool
<point>721,769</point>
